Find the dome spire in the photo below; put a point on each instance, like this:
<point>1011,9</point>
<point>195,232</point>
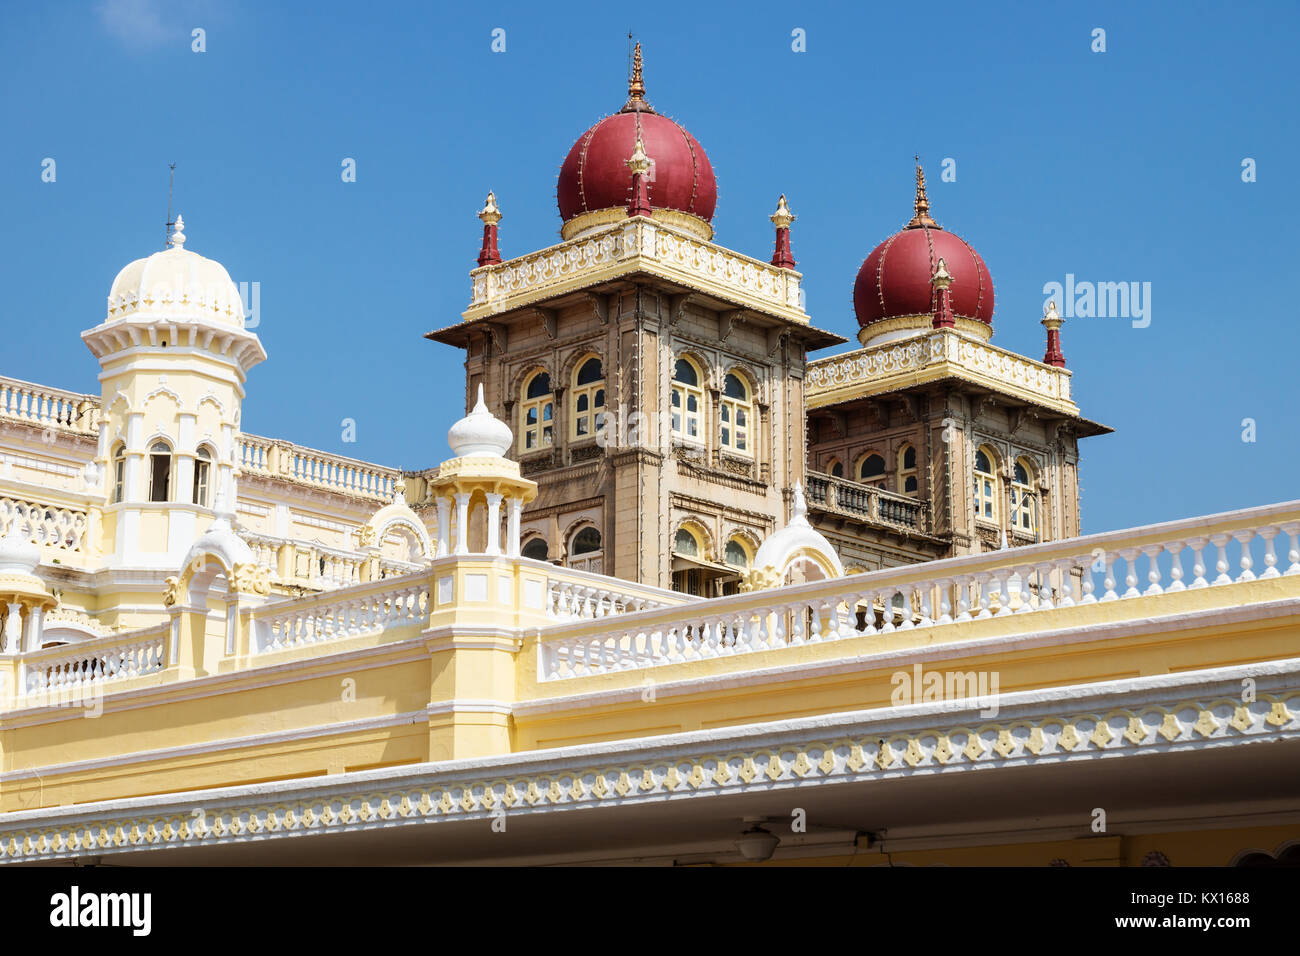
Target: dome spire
<point>636,101</point>
<point>177,240</point>
<point>921,207</point>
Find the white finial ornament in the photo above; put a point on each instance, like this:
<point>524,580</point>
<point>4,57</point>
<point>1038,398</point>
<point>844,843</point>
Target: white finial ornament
<point>178,237</point>
<point>942,277</point>
<point>800,515</point>
<point>783,216</point>
<point>480,433</point>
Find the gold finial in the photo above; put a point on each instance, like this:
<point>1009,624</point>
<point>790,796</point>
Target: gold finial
<point>942,278</point>
<point>636,86</point>
<point>1051,318</point>
<point>490,214</point>
<point>922,205</point>
<point>639,162</point>
<point>783,216</point>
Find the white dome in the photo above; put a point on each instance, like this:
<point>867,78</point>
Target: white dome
<point>220,539</point>
<point>176,284</point>
<point>480,433</point>
<point>797,537</point>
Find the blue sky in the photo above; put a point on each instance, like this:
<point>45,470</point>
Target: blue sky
<point>1117,166</point>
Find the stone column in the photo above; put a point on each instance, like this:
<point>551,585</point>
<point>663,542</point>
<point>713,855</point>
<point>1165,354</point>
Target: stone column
<point>35,628</point>
<point>462,523</point>
<point>13,629</point>
<point>512,532</point>
<point>493,523</point>
<point>444,527</point>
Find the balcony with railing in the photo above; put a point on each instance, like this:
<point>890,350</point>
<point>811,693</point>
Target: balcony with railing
<point>1193,564</point>
<point>1198,573</point>
<point>839,496</point>
<point>48,407</point>
<point>320,469</point>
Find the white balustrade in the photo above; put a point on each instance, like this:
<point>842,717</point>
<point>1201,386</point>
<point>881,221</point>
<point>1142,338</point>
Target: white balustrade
<point>95,662</point>
<point>339,614</point>
<point>48,407</point>
<point>49,525</point>
<point>1116,566</point>
<point>581,596</point>
<point>307,465</point>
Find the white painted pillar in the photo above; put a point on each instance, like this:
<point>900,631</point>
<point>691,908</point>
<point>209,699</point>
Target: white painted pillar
<point>444,527</point>
<point>135,487</point>
<point>462,523</point>
<point>35,628</point>
<point>512,532</point>
<point>14,628</point>
<point>494,523</point>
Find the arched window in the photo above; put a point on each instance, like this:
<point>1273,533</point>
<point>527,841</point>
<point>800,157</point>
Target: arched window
<point>537,413</point>
<point>836,468</point>
<point>872,471</point>
<point>688,578</point>
<point>588,400</point>
<point>1024,503</point>
<point>907,470</point>
<point>160,471</point>
<point>688,400</point>
<point>119,472</point>
<point>737,554</point>
<point>584,550</point>
<point>586,541</point>
<point>202,467</point>
<point>986,486</point>
<point>536,549</point>
<point>737,413</point>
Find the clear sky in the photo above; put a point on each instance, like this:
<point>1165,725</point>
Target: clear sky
<point>1115,166</point>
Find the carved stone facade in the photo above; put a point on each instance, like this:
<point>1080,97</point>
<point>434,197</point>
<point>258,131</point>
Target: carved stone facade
<point>907,461</point>
<point>632,478</point>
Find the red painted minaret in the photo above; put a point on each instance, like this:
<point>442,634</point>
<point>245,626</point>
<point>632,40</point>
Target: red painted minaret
<point>1053,321</point>
<point>491,215</point>
<point>639,163</point>
<point>782,258</point>
<point>941,286</point>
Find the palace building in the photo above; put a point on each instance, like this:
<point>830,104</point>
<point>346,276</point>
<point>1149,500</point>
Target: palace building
<point>732,591</point>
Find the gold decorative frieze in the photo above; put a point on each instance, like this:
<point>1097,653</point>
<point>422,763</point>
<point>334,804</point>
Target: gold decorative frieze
<point>942,353</point>
<point>635,245</point>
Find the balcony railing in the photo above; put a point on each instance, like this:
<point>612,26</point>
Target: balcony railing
<point>349,612</point>
<point>1181,556</point>
<point>73,669</point>
<point>58,528</point>
<point>48,407</point>
<point>574,595</point>
<point>841,496</point>
<point>279,459</point>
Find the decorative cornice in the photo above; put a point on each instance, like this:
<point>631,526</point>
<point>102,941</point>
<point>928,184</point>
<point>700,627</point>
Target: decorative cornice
<point>1194,712</point>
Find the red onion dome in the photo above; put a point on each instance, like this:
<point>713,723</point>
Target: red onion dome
<point>595,176</point>
<point>895,280</point>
